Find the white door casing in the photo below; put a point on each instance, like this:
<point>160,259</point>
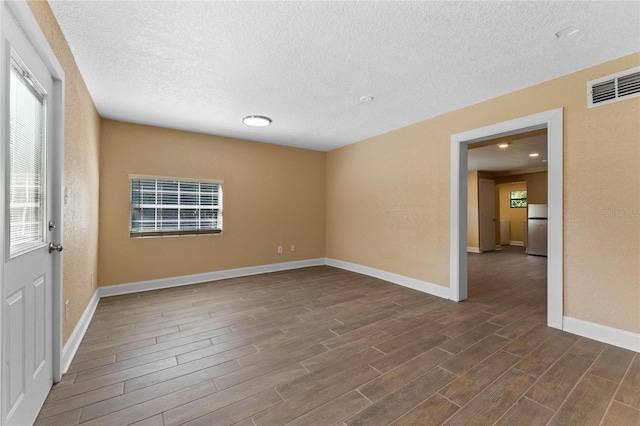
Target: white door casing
<point>552,121</point>
<point>31,291</point>
<point>487,213</point>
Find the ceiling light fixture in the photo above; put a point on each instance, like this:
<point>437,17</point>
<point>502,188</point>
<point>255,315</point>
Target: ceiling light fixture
<point>256,121</point>
<point>366,98</point>
<point>503,145</point>
<point>533,154</point>
<point>569,31</point>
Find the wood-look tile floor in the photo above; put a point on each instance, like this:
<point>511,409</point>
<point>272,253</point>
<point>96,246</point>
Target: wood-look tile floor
<point>323,346</point>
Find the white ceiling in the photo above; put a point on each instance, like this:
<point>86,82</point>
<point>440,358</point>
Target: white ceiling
<point>490,158</point>
<point>204,65</point>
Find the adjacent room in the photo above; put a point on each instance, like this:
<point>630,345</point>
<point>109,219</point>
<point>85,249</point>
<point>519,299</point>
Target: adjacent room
<point>328,213</point>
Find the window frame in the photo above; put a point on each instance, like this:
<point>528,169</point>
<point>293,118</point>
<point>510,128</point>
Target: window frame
<point>512,199</point>
<point>176,232</point>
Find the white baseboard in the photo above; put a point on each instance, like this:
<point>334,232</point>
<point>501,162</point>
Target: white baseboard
<point>71,347</point>
<point>516,243</point>
<point>423,286</point>
<point>473,249</point>
<point>114,290</point>
<point>602,333</point>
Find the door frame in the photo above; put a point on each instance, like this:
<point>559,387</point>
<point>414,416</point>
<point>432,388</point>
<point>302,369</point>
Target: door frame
<point>22,14</point>
<point>551,120</point>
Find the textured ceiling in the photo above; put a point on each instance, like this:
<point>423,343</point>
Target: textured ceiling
<point>202,66</point>
<point>490,158</point>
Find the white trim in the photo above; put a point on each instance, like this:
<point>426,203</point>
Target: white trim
<point>71,347</point>
<point>602,333</point>
<point>423,286</point>
<point>473,249</point>
<point>114,290</point>
<point>552,121</point>
<point>516,243</point>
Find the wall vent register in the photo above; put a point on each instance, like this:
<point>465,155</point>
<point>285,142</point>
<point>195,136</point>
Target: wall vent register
<point>614,87</point>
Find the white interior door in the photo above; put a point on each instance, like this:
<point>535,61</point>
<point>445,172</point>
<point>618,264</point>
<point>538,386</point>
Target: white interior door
<point>27,368</point>
<point>487,212</point>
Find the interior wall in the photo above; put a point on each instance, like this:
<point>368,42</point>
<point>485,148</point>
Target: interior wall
<point>515,216</point>
<point>537,187</point>
<point>473,211</point>
<point>81,176</point>
<point>388,201</point>
<point>272,195</point>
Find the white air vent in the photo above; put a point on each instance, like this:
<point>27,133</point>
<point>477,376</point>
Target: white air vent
<point>614,88</point>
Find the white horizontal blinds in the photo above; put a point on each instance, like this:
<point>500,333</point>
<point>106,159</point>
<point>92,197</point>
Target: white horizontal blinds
<point>175,207</point>
<point>26,163</point>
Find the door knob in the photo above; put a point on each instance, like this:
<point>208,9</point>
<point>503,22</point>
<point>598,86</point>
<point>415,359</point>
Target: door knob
<point>54,247</point>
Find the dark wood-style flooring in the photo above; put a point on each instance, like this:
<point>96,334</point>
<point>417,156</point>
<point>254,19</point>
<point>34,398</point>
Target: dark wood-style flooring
<point>323,346</point>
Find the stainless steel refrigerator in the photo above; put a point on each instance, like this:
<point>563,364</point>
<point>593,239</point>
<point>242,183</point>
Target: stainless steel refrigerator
<point>537,229</point>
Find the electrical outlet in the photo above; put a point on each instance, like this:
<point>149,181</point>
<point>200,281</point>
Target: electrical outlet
<point>279,249</point>
<point>66,309</point>
<point>293,248</point>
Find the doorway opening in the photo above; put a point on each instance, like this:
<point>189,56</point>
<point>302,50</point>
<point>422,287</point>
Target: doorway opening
<point>505,177</point>
<point>551,121</point>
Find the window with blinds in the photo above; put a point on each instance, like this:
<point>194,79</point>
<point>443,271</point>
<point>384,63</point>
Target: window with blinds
<point>26,162</point>
<point>174,207</point>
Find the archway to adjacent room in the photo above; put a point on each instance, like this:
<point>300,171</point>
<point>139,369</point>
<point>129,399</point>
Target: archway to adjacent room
<point>552,121</point>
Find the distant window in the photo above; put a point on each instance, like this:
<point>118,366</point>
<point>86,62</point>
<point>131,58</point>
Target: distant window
<point>518,199</point>
<point>174,207</point>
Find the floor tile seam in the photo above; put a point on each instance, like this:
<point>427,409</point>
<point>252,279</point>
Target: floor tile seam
<point>150,400</point>
<point>108,384</point>
<point>436,392</point>
<point>173,378</point>
<point>234,402</point>
<point>130,368</point>
<point>615,393</point>
<point>550,366</point>
<point>573,388</point>
<point>483,389</point>
<point>70,370</point>
<point>83,406</point>
<point>116,343</point>
<point>454,403</point>
<point>534,348</point>
<point>524,393</point>
<point>147,354</point>
<point>145,401</point>
<point>516,337</point>
<point>172,347</point>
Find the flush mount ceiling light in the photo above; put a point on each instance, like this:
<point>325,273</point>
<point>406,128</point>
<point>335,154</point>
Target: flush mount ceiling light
<point>569,31</point>
<point>533,154</point>
<point>503,145</point>
<point>366,98</point>
<point>256,121</point>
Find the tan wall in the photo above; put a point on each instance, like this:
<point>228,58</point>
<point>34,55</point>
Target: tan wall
<point>537,186</point>
<point>273,195</point>
<point>514,216</point>
<point>81,176</point>
<point>473,211</point>
<point>388,197</point>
